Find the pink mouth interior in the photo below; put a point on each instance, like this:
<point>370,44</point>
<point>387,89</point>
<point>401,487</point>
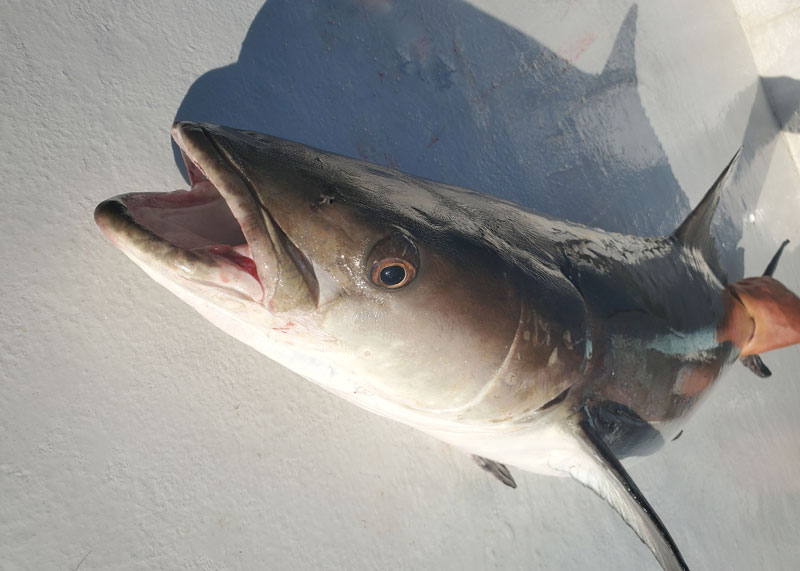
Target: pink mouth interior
<point>196,219</point>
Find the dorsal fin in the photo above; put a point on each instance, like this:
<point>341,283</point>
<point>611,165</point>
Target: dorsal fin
<point>695,232</point>
<point>696,229</point>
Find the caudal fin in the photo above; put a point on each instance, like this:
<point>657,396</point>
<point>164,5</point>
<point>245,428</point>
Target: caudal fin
<point>761,314</point>
<point>774,311</point>
<point>754,362</point>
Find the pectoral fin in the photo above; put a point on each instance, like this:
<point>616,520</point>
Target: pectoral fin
<point>596,467</point>
<point>496,469</point>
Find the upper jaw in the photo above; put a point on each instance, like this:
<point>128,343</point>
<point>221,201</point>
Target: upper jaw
<point>219,234</point>
<point>212,235</point>
<point>206,163</point>
<point>235,162</point>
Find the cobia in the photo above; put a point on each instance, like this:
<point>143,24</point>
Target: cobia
<point>521,339</point>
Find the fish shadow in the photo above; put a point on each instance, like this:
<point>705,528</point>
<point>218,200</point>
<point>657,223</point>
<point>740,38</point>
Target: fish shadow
<point>783,94</point>
<point>439,89</point>
<point>774,106</point>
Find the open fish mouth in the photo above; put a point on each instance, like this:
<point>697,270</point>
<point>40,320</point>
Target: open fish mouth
<point>215,234</point>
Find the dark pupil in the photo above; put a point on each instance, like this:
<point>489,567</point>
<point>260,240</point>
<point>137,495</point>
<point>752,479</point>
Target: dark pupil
<point>392,275</point>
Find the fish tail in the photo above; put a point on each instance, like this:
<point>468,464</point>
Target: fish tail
<point>772,310</point>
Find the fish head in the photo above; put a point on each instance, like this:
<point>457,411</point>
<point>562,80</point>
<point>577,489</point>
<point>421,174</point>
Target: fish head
<point>364,280</point>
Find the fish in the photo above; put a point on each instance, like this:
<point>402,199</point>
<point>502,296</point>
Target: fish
<point>521,339</point>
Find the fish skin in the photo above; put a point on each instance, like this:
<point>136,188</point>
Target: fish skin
<point>524,340</point>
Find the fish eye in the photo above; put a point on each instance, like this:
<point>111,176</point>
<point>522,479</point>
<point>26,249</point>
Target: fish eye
<point>393,262</point>
<point>392,273</point>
